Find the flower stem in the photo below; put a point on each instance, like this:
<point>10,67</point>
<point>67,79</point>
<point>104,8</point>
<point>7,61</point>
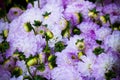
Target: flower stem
<point>29,72</point>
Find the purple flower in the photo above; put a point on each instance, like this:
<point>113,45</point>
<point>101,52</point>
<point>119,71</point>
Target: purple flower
<point>14,12</point>
<point>19,39</point>
<point>4,74</point>
<point>85,66</point>
<point>113,41</point>
<point>104,63</point>
<point>65,73</point>
<point>114,12</point>
<point>67,57</point>
<point>102,33</point>
<point>72,10</point>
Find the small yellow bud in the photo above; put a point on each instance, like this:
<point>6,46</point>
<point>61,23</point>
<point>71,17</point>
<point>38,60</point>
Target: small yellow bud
<point>27,27</point>
<point>102,18</point>
<point>49,34</point>
<point>5,32</point>
<point>80,45</point>
<point>80,54</point>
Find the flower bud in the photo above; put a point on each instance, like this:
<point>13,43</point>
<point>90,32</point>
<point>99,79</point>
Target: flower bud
<point>17,71</point>
<point>49,35</point>
<point>103,19</point>
<point>80,54</point>
<point>27,27</point>
<point>5,32</point>
<point>80,44</point>
<point>32,61</point>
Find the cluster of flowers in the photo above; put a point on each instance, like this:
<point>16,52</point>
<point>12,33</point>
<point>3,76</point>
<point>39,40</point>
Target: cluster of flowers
<point>61,40</point>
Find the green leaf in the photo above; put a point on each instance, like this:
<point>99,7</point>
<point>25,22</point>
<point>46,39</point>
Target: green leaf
<point>4,46</point>
<point>38,77</point>
<point>98,50</point>
<point>41,67</point>
<point>59,46</point>
<point>46,14</point>
<point>109,75</point>
<point>37,23</point>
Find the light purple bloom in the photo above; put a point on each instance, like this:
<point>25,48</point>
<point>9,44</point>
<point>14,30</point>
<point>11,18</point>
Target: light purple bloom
<point>24,41</point>
<point>4,74</point>
<point>14,12</point>
<point>65,73</point>
<point>113,41</point>
<point>102,33</point>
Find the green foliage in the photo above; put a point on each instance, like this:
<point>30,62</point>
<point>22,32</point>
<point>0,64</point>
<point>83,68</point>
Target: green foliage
<point>59,46</point>
<point>109,75</point>
<point>4,46</point>
<point>17,72</point>
<point>76,31</point>
<point>41,67</point>
<point>37,23</point>
<point>98,50</point>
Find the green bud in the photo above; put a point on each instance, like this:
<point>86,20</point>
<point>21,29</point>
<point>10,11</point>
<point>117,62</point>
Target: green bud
<point>41,67</point>
<point>93,13</point>
<point>28,27</point>
<point>80,54</point>
<point>79,17</point>
<point>5,32</point>
<point>49,35</point>
<point>80,44</point>
<point>59,46</point>
<point>66,32</point>
<point>37,23</point>
<point>52,61</point>
<point>98,50</point>
<point>76,31</point>
<point>32,61</point>
<point>46,15</point>
<point>17,71</point>
<point>52,65</point>
<point>4,46</point>
<point>41,57</point>
<point>116,26</point>
<point>52,58</point>
<point>103,19</point>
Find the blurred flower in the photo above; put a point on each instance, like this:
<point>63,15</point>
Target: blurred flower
<point>14,13</point>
